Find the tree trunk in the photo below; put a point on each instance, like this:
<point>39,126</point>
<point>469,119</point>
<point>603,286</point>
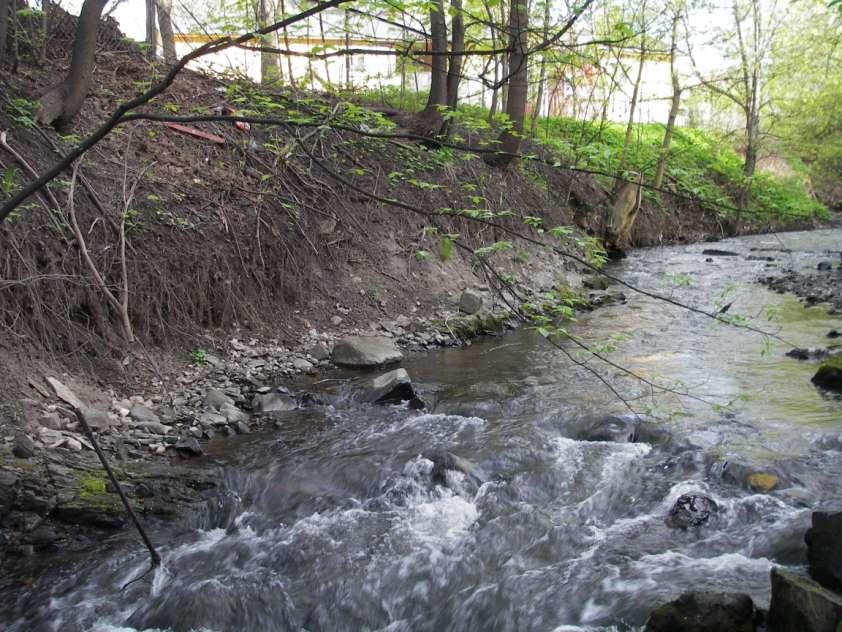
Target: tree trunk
<point>286,45</point>
<point>347,29</point>
<point>268,60</point>
<point>430,118</point>
<point>660,168</point>
<point>457,45</point>
<point>542,78</point>
<point>632,108</point>
<point>518,84</point>
<point>151,35</point>
<point>492,110</point>
<point>63,102</point>
<point>5,5</point>
<point>165,27</point>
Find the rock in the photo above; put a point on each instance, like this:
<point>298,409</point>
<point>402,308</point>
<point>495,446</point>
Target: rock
<point>97,419</point>
<point>273,403</point>
<point>704,612</point>
<point>65,394</point>
<point>233,414</point>
<point>242,427</point>
<point>801,605</point>
<point>141,413</point>
<point>713,252</point>
<point>829,376</point>
<point>366,352</point>
<point>319,351</point>
<point>50,438</point>
<point>824,265</point>
<point>471,301</point>
<point>212,419</point>
<point>24,447</point>
<point>188,446</point>
<point>72,444</point>
<point>444,460</point>
<point>833,333</point>
<point>596,282</point>
<point>763,482</point>
<point>336,321</point>
<point>215,399</point>
<point>691,510</point>
<point>155,427</point>
<point>824,549</point>
<point>608,428</point>
<point>301,364</point>
<point>800,353</point>
<point>393,387</point>
<point>51,420</point>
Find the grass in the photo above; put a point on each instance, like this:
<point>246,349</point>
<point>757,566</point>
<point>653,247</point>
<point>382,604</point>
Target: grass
<point>699,165</point>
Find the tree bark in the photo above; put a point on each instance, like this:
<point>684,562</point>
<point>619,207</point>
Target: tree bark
<point>661,167</point>
<point>509,141</point>
<point>457,43</point>
<point>165,27</point>
<point>632,108</point>
<point>542,78</point>
<point>151,35</point>
<point>62,103</point>
<point>5,5</point>
<point>430,119</point>
<point>268,60</point>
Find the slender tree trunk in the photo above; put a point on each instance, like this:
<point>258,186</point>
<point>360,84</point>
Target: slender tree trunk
<point>63,102</point>
<point>457,43</point>
<point>347,28</point>
<point>492,110</point>
<point>5,6</point>
<point>151,34</point>
<point>518,84</point>
<point>286,45</point>
<point>430,118</point>
<point>324,47</point>
<point>632,108</point>
<point>45,30</point>
<point>660,168</point>
<point>539,97</point>
<point>268,60</point>
<point>165,27</point>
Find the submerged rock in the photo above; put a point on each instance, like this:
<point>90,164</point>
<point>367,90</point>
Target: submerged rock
<point>365,352</point>
<point>824,549</point>
<point>714,252</point>
<point>801,605</point>
<point>763,482</point>
<point>691,510</point>
<point>393,387</point>
<point>271,403</point>
<point>829,375</point>
<point>705,612</point>
<point>444,460</point>
<point>608,428</point>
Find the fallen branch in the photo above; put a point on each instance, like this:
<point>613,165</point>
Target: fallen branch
<point>154,557</point>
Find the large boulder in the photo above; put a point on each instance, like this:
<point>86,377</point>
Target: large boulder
<point>97,419</point>
<point>801,605</point>
<point>691,510</point>
<point>471,301</point>
<point>393,387</point>
<point>365,352</point>
<point>704,612</point>
<point>824,549</point>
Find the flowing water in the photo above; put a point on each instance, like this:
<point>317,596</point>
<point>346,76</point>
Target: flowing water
<point>338,522</point>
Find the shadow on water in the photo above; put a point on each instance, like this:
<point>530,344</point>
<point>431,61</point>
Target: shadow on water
<point>345,520</point>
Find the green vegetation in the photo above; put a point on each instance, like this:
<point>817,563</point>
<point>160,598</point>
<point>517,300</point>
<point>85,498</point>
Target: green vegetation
<point>834,363</point>
<point>91,485</point>
<point>699,165</point>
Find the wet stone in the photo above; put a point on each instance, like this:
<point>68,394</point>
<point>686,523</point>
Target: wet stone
<point>691,510</point>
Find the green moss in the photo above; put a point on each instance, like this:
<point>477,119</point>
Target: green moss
<point>91,485</point>
<point>834,362</point>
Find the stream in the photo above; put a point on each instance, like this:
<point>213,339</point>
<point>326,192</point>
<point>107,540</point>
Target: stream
<point>340,521</point>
